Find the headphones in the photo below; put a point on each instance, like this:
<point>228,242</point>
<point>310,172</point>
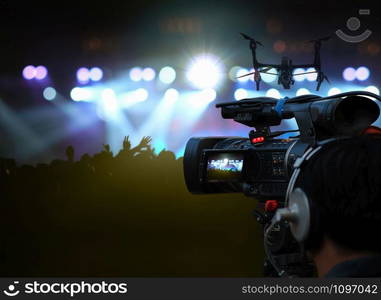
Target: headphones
<point>297,209</point>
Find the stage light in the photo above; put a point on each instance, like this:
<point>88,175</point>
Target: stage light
<point>208,95</point>
<point>49,93</point>
<point>204,72</point>
<point>29,72</point>
<point>233,73</point>
<point>96,74</point>
<point>141,94</point>
<point>148,74</point>
<point>167,75</point>
<point>334,91</point>
<point>41,72</point>
<point>240,94</point>
<point>362,73</point>
<point>372,89</point>
<point>83,75</point>
<point>274,93</point>
<point>108,105</point>
<point>241,72</point>
<point>349,74</point>
<point>81,94</point>
<point>171,95</point>
<point>136,74</point>
<point>311,76</point>
<point>269,77</point>
<point>302,91</point>
<point>299,77</point>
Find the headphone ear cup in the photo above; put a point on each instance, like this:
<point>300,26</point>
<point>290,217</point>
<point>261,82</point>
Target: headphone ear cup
<point>299,206</point>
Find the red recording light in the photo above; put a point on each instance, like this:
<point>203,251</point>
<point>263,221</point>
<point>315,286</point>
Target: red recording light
<point>259,139</point>
<point>271,205</point>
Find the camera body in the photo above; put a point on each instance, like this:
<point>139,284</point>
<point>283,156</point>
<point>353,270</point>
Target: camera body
<point>260,165</point>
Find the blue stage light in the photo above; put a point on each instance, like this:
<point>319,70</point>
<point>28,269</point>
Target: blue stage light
<point>49,93</point>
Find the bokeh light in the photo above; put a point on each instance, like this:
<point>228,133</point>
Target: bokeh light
<point>83,75</point>
<point>29,72</point>
<point>299,77</point>
<point>279,46</point>
<point>81,94</point>
<point>311,76</point>
<point>362,73</point>
<point>171,95</point>
<point>136,74</point>
<point>334,91</point>
<point>373,89</point>
<point>148,74</point>
<point>274,93</point>
<point>240,94</point>
<point>49,93</point>
<point>269,77</point>
<point>204,72</point>
<point>167,75</point>
<point>96,74</point>
<point>41,72</point>
<point>241,72</point>
<point>302,92</point>
<point>349,74</point>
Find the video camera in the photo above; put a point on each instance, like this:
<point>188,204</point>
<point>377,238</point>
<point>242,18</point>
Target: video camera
<point>261,165</point>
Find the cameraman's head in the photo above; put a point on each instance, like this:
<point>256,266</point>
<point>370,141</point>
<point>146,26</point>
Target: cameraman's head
<point>343,182</point>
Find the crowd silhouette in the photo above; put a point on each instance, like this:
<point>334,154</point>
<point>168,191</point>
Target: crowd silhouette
<point>128,214</point>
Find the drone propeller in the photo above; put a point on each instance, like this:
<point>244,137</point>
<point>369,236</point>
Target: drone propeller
<point>260,71</point>
<point>245,36</point>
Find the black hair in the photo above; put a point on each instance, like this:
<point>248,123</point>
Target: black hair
<point>343,182</point>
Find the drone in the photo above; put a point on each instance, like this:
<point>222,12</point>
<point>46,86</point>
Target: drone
<point>285,68</point>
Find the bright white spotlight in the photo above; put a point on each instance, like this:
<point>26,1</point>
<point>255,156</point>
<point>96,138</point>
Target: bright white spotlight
<point>148,74</point>
<point>269,77</point>
<point>167,75</point>
<point>242,72</point>
<point>349,74</point>
<point>49,93</point>
<point>302,91</point>
<point>204,72</point>
<point>209,95</point>
<point>240,94</point>
<point>171,95</point>
<point>96,74</point>
<point>362,73</point>
<point>274,93</point>
<point>136,74</point>
<point>299,77</point>
<point>334,91</point>
<point>311,76</point>
<point>81,94</point>
<point>373,89</point>
<point>107,105</point>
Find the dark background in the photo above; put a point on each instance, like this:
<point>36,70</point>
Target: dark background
<point>107,216</point>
